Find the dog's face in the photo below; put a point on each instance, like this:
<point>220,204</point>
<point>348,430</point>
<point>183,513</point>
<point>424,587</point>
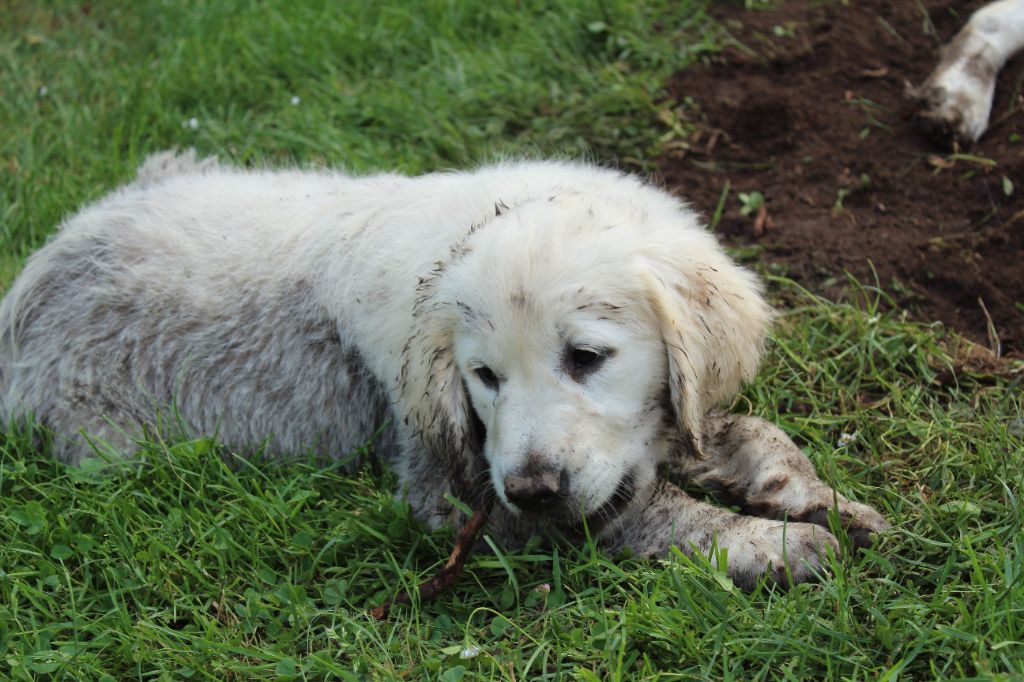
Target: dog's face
<point>588,339</point>
<point>570,385</point>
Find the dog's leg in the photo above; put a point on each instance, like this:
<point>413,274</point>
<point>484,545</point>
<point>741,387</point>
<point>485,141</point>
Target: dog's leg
<point>956,99</point>
<point>93,435</point>
<point>754,547</point>
<point>754,464</point>
<point>423,484</point>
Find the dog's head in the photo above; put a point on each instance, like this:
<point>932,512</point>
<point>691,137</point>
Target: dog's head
<point>575,342</point>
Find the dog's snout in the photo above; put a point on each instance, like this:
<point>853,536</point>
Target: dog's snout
<point>536,489</point>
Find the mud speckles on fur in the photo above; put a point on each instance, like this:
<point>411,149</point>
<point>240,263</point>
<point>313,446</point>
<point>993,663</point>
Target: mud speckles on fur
<point>520,299</point>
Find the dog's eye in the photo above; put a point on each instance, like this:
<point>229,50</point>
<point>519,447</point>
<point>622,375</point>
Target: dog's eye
<point>488,376</point>
<point>582,361</point>
<point>583,357</point>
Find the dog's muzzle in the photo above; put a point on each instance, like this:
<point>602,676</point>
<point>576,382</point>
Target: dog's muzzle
<point>537,488</point>
<point>543,490</point>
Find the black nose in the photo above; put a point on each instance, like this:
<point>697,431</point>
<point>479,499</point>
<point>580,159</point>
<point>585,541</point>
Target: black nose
<point>535,489</point>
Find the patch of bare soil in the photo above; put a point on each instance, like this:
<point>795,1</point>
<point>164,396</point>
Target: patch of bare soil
<point>809,111</point>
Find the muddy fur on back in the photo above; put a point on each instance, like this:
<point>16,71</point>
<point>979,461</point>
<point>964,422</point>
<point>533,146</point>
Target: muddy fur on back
<point>549,335</point>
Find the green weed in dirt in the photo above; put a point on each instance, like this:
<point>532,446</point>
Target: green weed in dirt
<point>181,565</point>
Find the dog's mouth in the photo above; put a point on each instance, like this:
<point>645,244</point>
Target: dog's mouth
<point>618,502</point>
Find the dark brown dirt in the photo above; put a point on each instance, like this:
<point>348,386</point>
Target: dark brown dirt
<point>808,109</point>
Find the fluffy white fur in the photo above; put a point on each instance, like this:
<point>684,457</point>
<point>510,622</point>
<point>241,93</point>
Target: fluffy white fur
<point>552,334</point>
<point>956,99</point>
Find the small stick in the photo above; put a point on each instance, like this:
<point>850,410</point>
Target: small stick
<point>446,577</point>
<point>762,221</point>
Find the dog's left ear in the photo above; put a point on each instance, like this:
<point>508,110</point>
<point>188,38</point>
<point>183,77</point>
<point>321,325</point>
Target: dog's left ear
<point>432,397</point>
<point>713,320</point>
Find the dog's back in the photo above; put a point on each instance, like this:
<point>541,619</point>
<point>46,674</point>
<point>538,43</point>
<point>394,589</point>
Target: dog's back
<point>174,289</point>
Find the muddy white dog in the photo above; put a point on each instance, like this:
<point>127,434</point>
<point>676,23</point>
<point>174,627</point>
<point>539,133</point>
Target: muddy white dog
<point>550,334</point>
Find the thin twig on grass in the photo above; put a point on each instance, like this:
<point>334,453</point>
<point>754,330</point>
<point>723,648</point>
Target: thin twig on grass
<point>444,578</point>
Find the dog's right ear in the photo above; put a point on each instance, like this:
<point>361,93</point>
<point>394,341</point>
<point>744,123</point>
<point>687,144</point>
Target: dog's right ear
<point>433,397</point>
<point>713,320</point>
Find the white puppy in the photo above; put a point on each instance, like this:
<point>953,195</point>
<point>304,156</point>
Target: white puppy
<point>956,100</point>
<point>549,333</point>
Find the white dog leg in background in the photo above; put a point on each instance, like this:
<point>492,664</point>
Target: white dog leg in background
<point>956,99</point>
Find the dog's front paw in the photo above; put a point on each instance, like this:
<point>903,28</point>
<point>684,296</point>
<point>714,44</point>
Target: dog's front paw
<point>787,553</point>
<point>860,521</point>
<point>804,500</point>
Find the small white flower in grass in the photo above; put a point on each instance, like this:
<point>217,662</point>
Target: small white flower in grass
<point>846,438</point>
<point>295,100</point>
<point>471,651</point>
<point>543,589</point>
<point>192,123</point>
<point>43,90</point>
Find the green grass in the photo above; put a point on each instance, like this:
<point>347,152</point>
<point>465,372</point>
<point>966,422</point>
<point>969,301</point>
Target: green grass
<point>179,565</point>
<point>408,85</point>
